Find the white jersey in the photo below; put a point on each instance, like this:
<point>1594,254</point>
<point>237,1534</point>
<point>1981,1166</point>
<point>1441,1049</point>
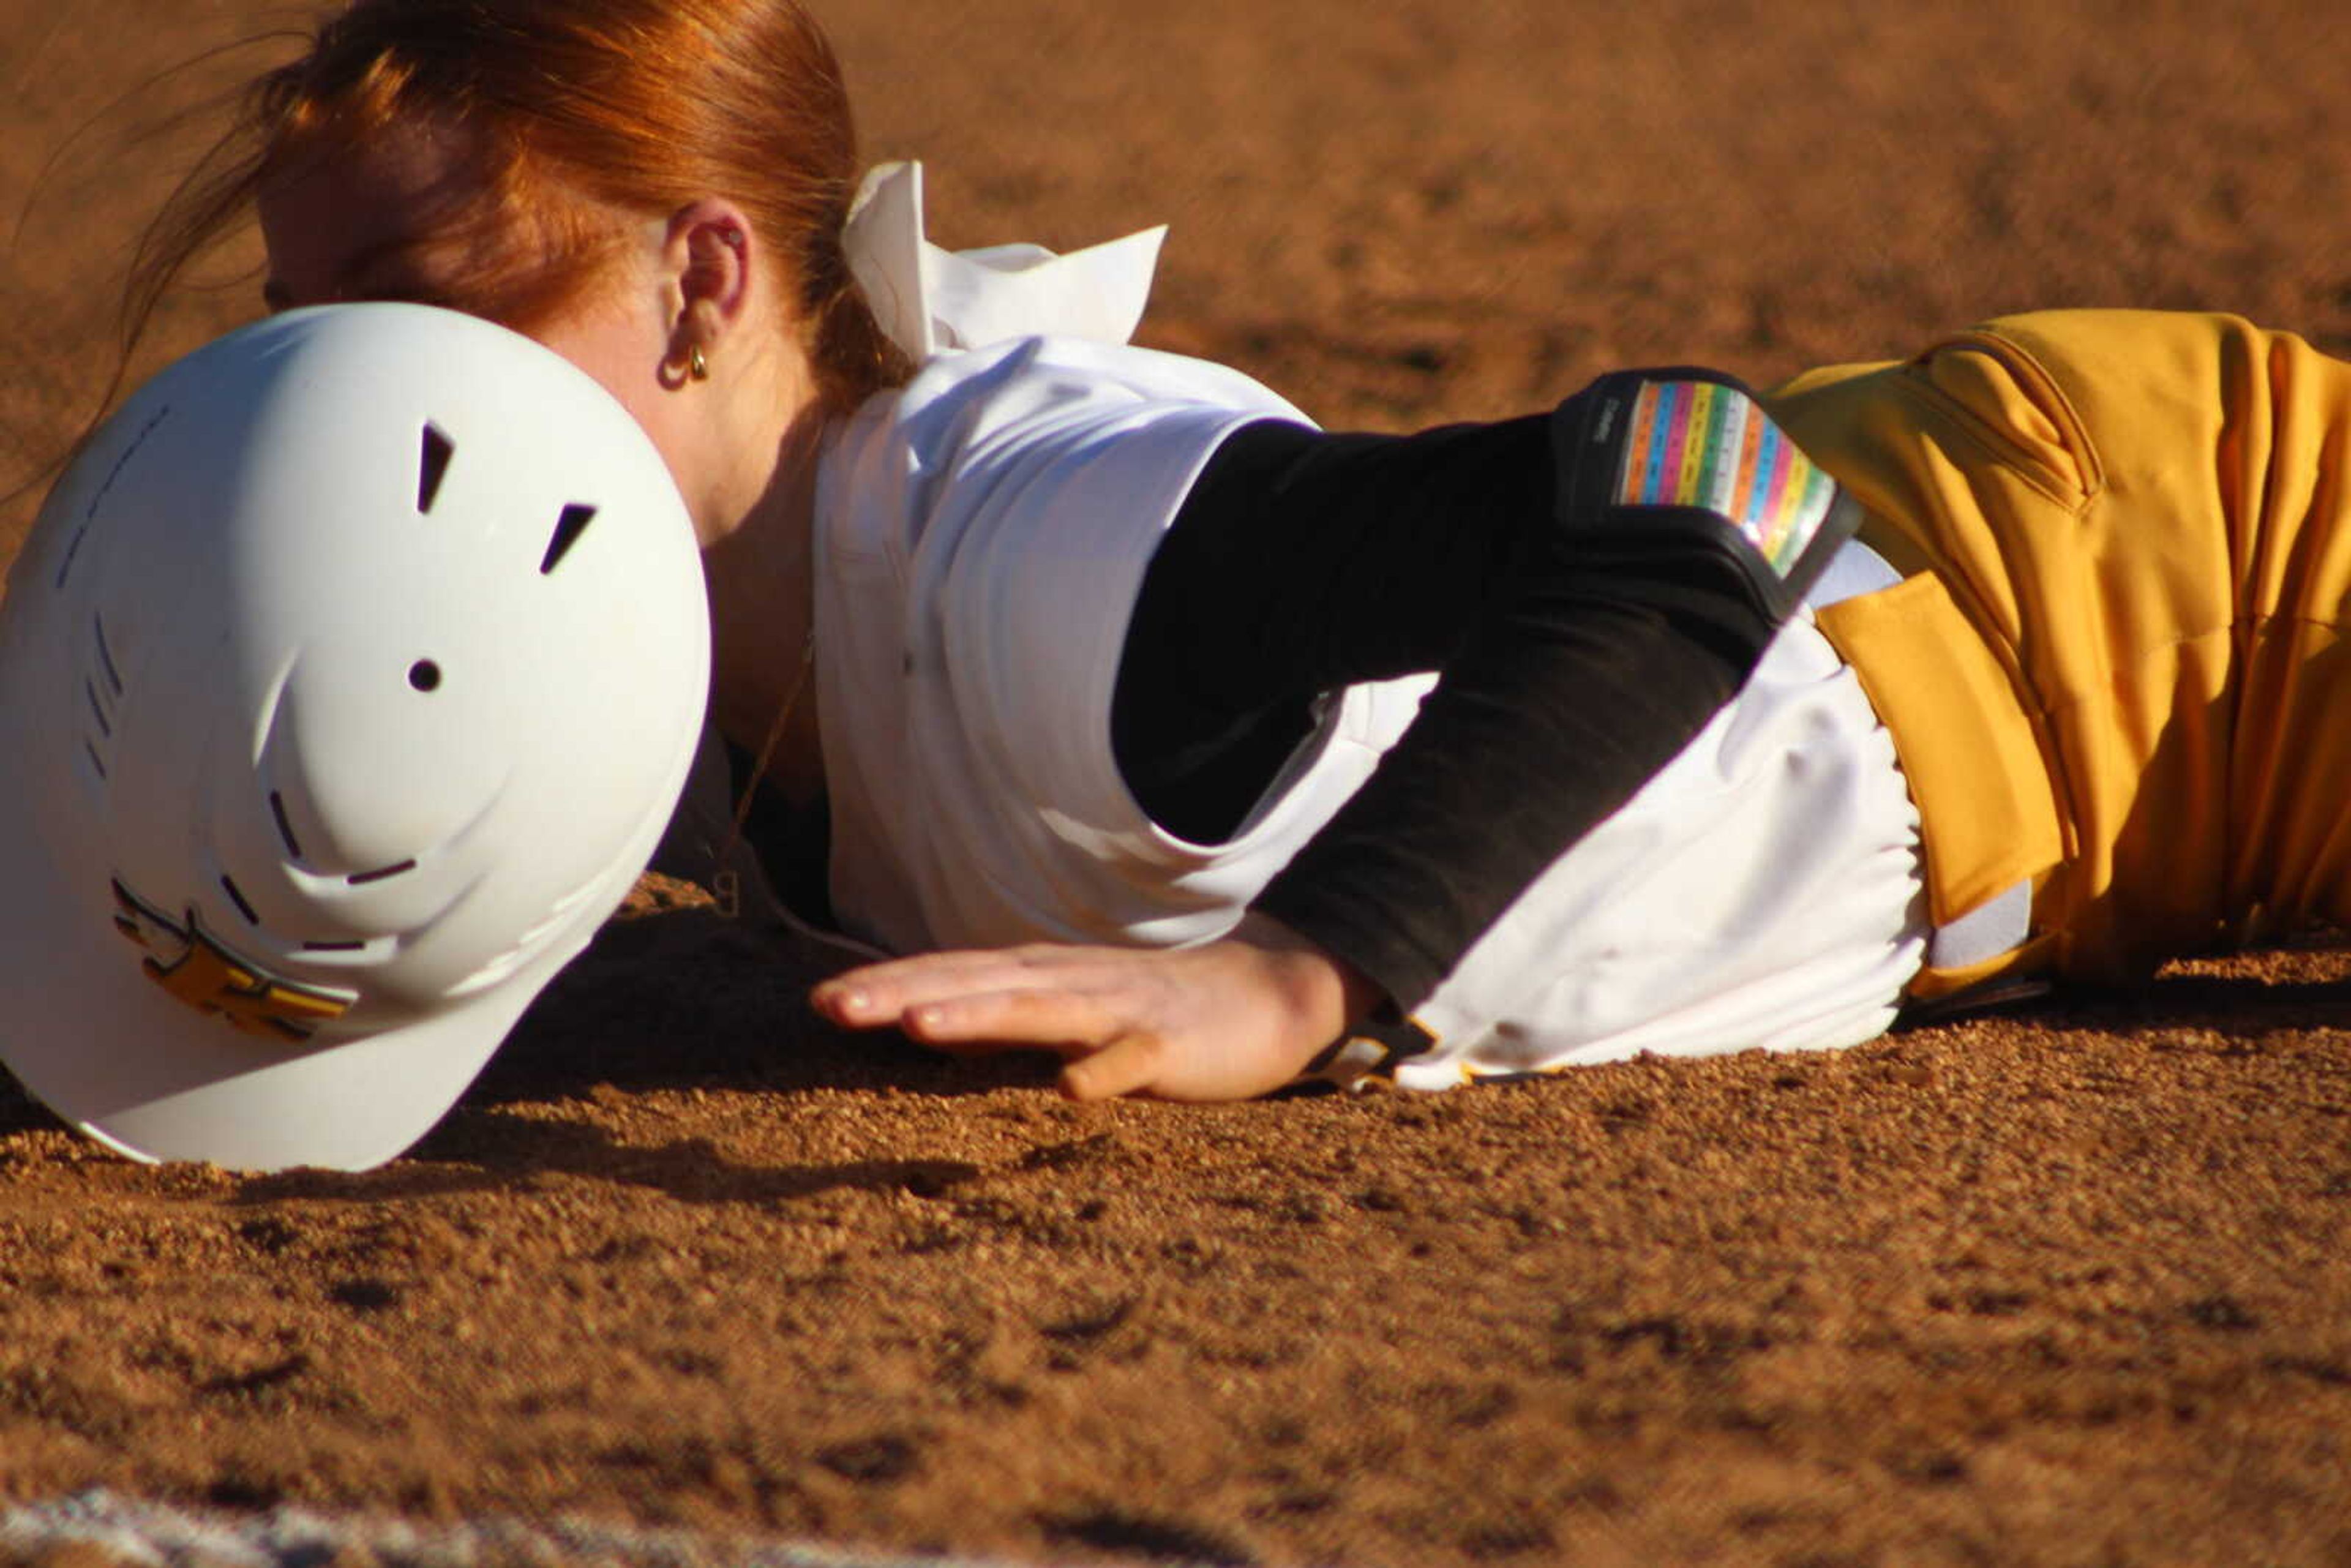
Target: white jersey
<point>981,540</point>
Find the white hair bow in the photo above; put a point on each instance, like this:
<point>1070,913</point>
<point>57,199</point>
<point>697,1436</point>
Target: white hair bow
<point>932,301</point>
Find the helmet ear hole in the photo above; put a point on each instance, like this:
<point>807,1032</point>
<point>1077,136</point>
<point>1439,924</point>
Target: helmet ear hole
<point>425,676</point>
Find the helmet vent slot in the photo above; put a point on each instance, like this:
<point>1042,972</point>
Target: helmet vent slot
<point>106,657</point>
<point>237,897</point>
<point>381,874</point>
<point>89,513</point>
<point>102,690</point>
<point>284,825</point>
<point>73,548</point>
<point>568,529</point>
<point>433,467</point>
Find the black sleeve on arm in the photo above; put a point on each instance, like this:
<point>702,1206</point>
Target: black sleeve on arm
<point>1300,562</point>
<point>1581,644</point>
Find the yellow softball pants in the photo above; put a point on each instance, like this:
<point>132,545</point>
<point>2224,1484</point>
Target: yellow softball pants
<point>2117,662</point>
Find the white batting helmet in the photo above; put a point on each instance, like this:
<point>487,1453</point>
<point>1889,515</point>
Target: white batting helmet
<point>347,681</point>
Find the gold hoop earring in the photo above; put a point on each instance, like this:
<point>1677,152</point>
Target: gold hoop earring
<point>696,366</point>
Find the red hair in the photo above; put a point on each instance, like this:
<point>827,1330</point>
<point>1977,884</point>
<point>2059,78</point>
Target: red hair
<point>583,115</point>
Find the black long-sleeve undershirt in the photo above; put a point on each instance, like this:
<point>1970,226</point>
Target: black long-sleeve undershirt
<point>1576,656</point>
<point>1575,659</point>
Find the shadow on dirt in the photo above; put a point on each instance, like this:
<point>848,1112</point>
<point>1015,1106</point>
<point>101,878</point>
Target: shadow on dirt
<point>2238,1005</point>
<point>681,998</point>
<point>688,998</point>
<point>478,1149</point>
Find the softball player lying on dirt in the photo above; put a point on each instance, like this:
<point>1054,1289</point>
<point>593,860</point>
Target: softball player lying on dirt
<point>1207,750</point>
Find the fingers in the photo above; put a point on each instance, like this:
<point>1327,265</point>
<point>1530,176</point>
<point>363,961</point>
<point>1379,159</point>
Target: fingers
<point>1127,1066</point>
<point>879,995</point>
<point>1219,1021</point>
<point>1052,1020</point>
<point>977,1003</point>
<point>977,1000</point>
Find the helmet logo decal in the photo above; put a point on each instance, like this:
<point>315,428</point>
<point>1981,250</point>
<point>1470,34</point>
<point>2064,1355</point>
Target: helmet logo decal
<point>186,962</point>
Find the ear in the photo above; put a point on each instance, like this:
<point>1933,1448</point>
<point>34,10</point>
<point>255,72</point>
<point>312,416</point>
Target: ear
<point>710,262</point>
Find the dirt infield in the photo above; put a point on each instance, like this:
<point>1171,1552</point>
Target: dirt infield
<point>2066,1287</point>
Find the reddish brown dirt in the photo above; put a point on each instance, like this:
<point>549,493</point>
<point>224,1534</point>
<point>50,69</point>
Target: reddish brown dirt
<point>2069,1287</point>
